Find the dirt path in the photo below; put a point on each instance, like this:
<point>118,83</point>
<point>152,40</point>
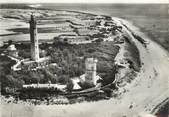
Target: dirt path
<point>148,90</point>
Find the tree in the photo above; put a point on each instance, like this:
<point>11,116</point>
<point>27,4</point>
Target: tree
<point>86,85</point>
<point>44,45</point>
<point>10,81</point>
<point>50,77</point>
<point>34,78</point>
<point>108,92</point>
<point>63,79</point>
<point>10,42</point>
<point>99,40</point>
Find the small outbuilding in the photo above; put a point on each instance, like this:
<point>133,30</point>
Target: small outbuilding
<point>12,51</point>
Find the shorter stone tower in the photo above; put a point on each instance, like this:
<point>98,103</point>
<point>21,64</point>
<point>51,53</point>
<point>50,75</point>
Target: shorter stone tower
<point>90,75</point>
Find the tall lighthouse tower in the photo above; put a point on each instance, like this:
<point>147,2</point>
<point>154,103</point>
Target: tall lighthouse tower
<point>34,39</point>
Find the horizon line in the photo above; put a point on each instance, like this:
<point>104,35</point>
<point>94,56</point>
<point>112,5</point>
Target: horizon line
<point>87,1</point>
<point>81,3</point>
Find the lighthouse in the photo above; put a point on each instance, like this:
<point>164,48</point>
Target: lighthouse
<point>34,39</point>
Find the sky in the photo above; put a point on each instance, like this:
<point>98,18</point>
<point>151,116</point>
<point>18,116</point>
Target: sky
<point>84,1</point>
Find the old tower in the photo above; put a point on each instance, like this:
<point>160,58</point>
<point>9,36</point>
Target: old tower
<point>34,39</point>
<point>90,75</point>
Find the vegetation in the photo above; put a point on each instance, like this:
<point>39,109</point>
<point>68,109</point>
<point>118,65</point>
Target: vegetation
<point>132,54</point>
<point>6,79</point>
<point>70,58</point>
<point>86,85</point>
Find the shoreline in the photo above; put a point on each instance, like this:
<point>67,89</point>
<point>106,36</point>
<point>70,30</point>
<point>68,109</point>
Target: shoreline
<point>115,102</point>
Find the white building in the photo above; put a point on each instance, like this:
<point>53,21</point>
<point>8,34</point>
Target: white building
<point>74,39</point>
<point>90,74</point>
<point>58,86</point>
<point>12,51</point>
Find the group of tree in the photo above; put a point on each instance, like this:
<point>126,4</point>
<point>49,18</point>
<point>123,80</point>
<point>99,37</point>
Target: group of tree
<point>70,62</point>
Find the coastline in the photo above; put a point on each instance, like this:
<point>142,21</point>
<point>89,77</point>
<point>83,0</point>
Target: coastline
<point>34,110</point>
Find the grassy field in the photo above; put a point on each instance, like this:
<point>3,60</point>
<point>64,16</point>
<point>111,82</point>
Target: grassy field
<point>152,19</point>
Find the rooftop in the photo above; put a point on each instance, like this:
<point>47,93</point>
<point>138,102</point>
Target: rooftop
<point>11,47</point>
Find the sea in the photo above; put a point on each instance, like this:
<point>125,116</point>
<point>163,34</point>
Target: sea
<point>120,10</point>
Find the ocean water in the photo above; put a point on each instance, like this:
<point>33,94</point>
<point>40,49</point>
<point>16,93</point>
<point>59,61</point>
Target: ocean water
<point>120,10</point>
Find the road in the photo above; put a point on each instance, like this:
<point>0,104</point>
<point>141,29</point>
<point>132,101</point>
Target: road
<point>145,92</point>
<point>18,62</point>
